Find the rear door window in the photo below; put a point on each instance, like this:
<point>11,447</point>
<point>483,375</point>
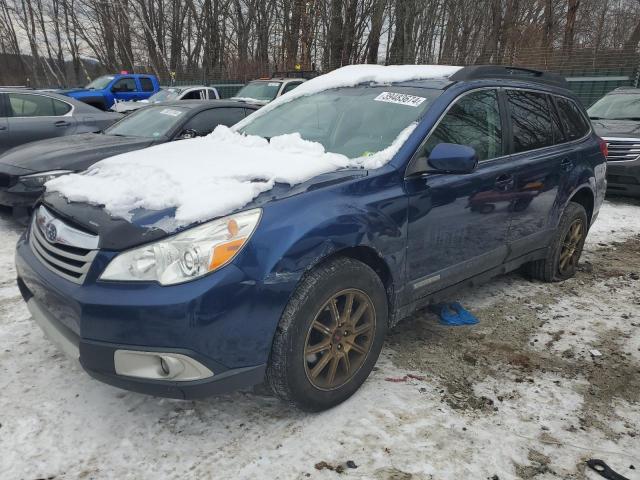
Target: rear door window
<point>558,128</point>
<point>204,122</point>
<point>146,84</point>
<point>27,105</point>
<point>474,120</point>
<point>126,84</point>
<point>575,123</point>
<point>530,120</point>
<point>290,86</point>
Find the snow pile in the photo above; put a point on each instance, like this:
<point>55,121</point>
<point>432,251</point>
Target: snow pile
<point>208,177</point>
<point>203,177</point>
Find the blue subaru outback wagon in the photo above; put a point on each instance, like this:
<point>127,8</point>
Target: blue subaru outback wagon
<point>502,170</point>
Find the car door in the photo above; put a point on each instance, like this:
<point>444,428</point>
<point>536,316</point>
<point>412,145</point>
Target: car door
<point>458,223</point>
<point>34,116</point>
<point>125,89</point>
<point>145,87</point>
<point>4,125</point>
<point>540,159</point>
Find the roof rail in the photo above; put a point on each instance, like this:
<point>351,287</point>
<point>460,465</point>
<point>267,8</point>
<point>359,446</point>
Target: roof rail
<point>476,72</point>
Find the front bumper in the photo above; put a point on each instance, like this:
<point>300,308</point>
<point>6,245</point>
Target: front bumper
<point>623,177</point>
<point>96,359</point>
<point>223,322</point>
<point>18,196</point>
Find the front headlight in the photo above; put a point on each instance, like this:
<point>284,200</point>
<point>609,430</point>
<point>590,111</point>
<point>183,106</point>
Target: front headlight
<point>187,255</point>
<point>36,180</point>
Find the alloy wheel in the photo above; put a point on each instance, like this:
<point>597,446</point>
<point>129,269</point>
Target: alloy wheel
<point>570,247</point>
<point>339,339</point>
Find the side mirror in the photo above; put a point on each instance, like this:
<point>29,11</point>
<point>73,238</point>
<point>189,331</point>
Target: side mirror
<point>453,158</point>
<point>186,134</point>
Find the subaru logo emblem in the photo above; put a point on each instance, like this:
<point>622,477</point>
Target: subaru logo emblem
<point>51,232</point>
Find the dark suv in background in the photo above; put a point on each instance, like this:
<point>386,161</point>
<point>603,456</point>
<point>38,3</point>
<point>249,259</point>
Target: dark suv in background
<point>490,169</point>
<point>616,118</point>
<point>25,170</point>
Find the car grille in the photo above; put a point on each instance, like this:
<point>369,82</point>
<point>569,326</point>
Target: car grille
<point>68,258</point>
<point>622,149</point>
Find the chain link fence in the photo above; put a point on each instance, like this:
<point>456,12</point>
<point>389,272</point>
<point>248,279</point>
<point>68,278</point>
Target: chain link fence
<point>591,73</point>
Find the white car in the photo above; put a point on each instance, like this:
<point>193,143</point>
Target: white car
<point>170,94</point>
<point>263,91</point>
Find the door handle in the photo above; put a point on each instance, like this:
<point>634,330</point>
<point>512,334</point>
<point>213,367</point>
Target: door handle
<point>566,164</point>
<point>504,181</point>
<point>62,123</point>
<point>2,127</point>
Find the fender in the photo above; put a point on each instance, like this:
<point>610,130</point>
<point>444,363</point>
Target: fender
<point>374,223</point>
<point>588,178</point>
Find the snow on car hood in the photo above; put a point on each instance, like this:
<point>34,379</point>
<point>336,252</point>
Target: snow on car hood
<point>208,176</point>
<point>211,176</point>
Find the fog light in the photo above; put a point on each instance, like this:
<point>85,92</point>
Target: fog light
<point>159,366</point>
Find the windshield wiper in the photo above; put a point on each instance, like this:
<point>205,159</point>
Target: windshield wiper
<point>596,118</point>
<point>636,119</point>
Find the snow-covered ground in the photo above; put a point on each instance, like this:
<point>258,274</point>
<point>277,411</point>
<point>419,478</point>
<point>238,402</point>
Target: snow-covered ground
<point>517,396</point>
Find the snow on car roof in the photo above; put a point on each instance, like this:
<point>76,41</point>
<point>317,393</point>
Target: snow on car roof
<point>352,75</point>
<point>224,171</point>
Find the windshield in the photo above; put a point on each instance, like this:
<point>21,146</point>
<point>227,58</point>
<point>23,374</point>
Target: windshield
<point>148,122</point>
<point>100,83</point>
<point>623,106</point>
<point>165,94</point>
<point>264,91</point>
<point>351,121</point>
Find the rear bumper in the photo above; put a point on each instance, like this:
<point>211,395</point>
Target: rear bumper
<point>623,178</point>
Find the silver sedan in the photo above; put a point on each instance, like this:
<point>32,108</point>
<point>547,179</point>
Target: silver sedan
<point>29,115</point>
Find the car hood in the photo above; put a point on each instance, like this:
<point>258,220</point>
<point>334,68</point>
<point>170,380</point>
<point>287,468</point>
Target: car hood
<point>72,152</point>
<point>149,225</point>
<point>617,128</point>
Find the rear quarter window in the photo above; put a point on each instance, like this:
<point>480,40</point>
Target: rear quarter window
<point>575,123</point>
<point>205,121</point>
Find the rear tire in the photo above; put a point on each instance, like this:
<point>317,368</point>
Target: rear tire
<point>307,366</point>
<point>565,248</point>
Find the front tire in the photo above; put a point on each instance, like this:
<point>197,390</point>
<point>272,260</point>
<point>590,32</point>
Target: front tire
<point>565,249</point>
<point>330,335</point>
